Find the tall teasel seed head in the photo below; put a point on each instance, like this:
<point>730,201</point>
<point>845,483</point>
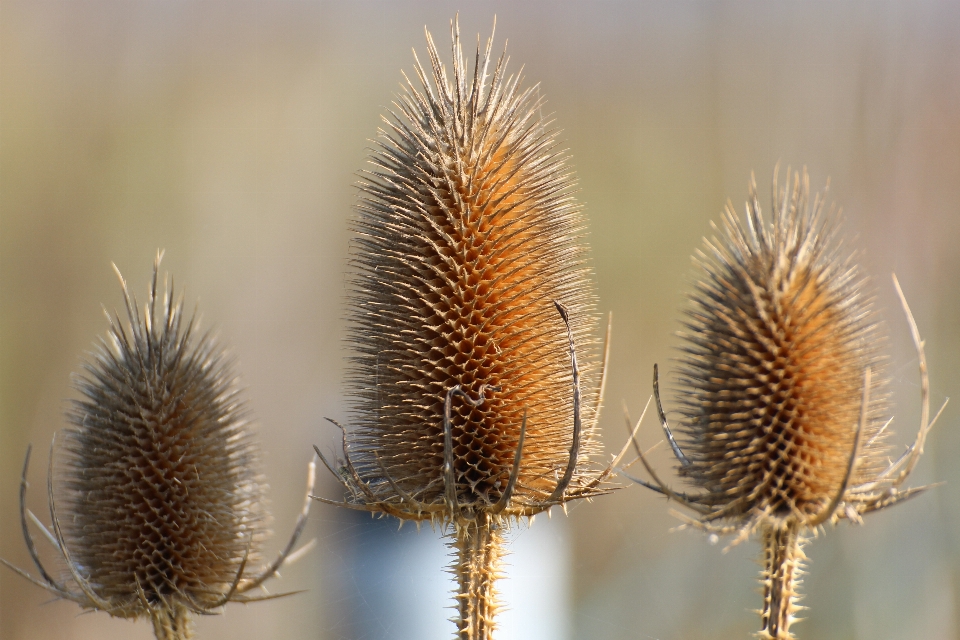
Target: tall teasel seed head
<point>781,389</point>
<point>163,498</point>
<point>469,306</point>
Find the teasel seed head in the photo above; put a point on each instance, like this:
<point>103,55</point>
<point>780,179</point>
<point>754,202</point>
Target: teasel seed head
<point>779,334</point>
<point>471,316</point>
<point>782,390</point>
<point>471,308</point>
<point>159,478</point>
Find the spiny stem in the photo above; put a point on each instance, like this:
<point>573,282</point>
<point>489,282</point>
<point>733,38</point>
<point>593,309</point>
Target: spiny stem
<point>172,624</point>
<point>479,545</point>
<point>783,567</point>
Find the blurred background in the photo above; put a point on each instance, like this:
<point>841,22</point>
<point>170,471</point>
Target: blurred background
<point>230,133</point>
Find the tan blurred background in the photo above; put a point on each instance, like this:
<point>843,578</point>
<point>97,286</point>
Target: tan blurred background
<point>230,132</point>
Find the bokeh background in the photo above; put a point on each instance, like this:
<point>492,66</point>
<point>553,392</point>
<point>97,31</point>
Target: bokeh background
<point>230,133</point>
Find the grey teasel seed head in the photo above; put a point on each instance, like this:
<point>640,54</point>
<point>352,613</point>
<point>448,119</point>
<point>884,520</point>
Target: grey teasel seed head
<point>161,510</point>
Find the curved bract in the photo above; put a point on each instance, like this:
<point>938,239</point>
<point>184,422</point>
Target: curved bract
<point>161,509</point>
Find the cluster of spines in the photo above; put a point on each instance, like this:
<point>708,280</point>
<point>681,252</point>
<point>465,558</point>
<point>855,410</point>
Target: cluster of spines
<point>467,236</point>
<point>471,313</point>
<point>778,337</point>
<point>163,493</point>
<point>782,391</point>
<point>164,501</point>
<point>478,551</point>
<point>780,579</point>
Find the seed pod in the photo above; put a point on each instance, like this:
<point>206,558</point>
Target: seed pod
<point>470,295</point>
<point>781,388</point>
<point>163,496</point>
<point>780,332</point>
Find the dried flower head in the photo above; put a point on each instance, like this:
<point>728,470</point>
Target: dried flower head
<point>469,296</point>
<point>782,393</point>
<point>163,496</point>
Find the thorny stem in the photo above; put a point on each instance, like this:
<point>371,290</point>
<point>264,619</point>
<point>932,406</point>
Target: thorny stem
<point>479,545</point>
<point>172,624</point>
<point>782,569</point>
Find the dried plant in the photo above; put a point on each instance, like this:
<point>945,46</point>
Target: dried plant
<point>782,391</point>
<point>163,508</point>
<point>469,296</point>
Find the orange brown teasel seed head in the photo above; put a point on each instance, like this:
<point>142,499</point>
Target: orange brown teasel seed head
<point>779,334</point>
<point>471,307</point>
<point>782,392</point>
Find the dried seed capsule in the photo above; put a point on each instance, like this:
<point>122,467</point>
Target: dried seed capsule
<point>469,297</point>
<point>779,334</point>
<point>781,388</point>
<point>163,497</point>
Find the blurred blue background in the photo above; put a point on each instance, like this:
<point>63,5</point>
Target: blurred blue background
<point>230,133</point>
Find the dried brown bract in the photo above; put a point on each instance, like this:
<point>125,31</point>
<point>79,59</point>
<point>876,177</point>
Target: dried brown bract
<point>782,390</point>
<point>469,300</point>
<point>163,497</point>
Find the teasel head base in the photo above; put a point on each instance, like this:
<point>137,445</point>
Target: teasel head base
<point>172,620</point>
<point>476,528</point>
<point>173,624</point>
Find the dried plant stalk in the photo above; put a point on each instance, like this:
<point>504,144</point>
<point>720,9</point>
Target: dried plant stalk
<point>782,390</point>
<point>173,624</point>
<point>782,568</point>
<point>479,546</point>
<point>163,494</point>
<point>469,300</point>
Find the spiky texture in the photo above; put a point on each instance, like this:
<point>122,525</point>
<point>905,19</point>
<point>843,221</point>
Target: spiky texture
<point>467,232</point>
<point>163,493</point>
<point>163,497</point>
<point>468,264</point>
<point>782,390</point>
<point>779,334</point>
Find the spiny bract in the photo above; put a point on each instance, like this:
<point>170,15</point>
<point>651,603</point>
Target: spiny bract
<point>163,497</point>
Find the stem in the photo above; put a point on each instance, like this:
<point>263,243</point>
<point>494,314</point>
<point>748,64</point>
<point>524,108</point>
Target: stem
<point>479,545</point>
<point>783,567</point>
<point>172,624</point>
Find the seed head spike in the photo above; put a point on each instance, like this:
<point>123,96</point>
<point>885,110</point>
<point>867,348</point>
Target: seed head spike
<point>782,390</point>
<point>160,492</point>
